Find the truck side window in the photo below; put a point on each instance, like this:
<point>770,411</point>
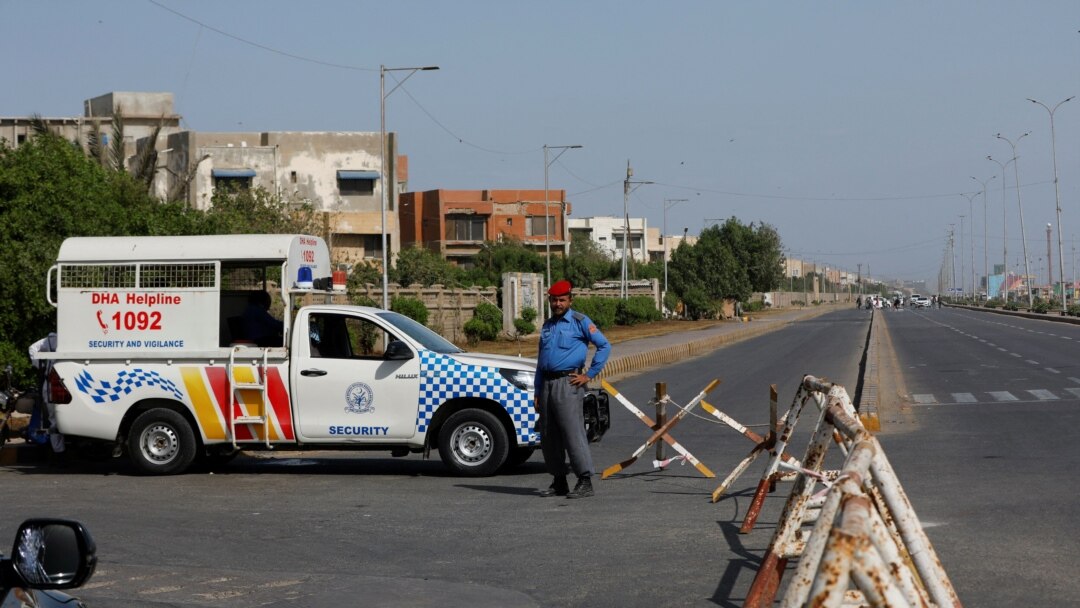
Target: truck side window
<point>346,337</point>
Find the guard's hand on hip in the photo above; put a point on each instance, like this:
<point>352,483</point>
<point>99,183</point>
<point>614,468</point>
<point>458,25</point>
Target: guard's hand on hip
<point>579,379</point>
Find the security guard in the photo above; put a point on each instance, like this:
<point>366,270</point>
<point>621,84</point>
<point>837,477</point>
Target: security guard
<point>560,390</point>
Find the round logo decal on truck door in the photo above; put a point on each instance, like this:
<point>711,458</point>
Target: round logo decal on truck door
<point>359,399</point>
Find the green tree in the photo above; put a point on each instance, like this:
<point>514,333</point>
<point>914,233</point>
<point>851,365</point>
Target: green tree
<point>423,266</point>
<point>257,211</point>
<point>588,262</point>
<point>504,255</point>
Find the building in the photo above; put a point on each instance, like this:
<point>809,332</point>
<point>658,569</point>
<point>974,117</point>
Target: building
<point>609,233</point>
<point>142,113</point>
<point>338,173</point>
<point>455,223</point>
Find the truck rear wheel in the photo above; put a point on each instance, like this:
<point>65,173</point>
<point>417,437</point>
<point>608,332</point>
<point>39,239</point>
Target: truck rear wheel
<point>161,442</point>
<point>473,443</point>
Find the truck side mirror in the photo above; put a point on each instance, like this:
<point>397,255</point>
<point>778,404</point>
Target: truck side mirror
<point>397,350</point>
<point>53,554</point>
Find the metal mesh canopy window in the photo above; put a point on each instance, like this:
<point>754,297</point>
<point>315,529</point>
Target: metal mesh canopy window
<point>136,276</point>
<point>98,276</point>
<point>177,276</point>
<point>247,278</point>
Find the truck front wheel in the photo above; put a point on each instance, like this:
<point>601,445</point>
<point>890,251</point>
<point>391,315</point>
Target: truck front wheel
<point>161,442</point>
<point>473,443</point>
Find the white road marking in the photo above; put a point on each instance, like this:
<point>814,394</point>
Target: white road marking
<point>1075,391</point>
<point>1052,370</point>
<point>1043,395</point>
<point>964,398</point>
<point>924,399</point>
<point>1031,362</point>
<point>1004,396</point>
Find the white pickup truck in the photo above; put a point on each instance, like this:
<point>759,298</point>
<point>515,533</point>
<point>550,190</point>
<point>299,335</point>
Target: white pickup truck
<point>152,356</point>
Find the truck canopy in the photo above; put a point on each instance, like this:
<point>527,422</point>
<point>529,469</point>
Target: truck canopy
<point>124,295</point>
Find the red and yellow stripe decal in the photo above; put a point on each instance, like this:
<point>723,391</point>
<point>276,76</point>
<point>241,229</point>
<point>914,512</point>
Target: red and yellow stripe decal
<point>209,390</point>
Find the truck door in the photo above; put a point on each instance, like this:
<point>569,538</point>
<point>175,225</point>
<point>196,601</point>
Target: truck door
<point>348,388</point>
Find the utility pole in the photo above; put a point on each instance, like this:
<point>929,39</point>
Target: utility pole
<point>627,189</point>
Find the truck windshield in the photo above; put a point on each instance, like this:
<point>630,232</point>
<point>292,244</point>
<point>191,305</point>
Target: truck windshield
<point>429,339</point>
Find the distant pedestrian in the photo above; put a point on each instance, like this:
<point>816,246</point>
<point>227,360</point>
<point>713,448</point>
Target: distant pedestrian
<point>560,391</point>
<point>858,302</point>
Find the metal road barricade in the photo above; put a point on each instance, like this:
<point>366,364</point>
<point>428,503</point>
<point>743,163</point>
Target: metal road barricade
<point>661,430</point>
<point>866,533</point>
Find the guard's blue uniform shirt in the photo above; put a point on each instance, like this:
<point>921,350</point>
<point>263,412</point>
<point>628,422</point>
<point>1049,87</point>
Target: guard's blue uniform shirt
<point>564,343</point>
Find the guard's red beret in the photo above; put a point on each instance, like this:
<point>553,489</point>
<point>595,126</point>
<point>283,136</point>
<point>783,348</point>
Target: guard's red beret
<point>560,288</point>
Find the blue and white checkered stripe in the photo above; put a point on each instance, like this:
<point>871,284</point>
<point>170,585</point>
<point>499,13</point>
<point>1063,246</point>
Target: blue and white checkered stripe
<point>443,378</point>
<point>102,391</point>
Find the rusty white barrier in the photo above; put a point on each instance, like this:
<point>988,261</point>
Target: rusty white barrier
<point>865,532</point>
<point>775,443</point>
<point>661,430</point>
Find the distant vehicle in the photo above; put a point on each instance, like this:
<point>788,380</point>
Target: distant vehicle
<point>919,301</point>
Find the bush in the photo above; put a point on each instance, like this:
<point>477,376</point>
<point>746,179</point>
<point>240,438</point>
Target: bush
<point>528,314</point>
<point>490,314</point>
<point>636,309</point>
<point>1040,306</point>
<point>602,311</point>
<point>755,306</point>
<point>410,307</point>
<point>523,327</point>
<point>1013,306</point>
<point>477,330</point>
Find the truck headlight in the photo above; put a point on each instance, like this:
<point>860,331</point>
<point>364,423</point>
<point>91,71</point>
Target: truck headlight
<point>519,378</point>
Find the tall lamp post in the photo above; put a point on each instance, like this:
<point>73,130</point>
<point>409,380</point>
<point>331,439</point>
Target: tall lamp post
<point>1015,160</point>
<point>1004,233</point>
<point>1057,199</point>
<point>984,183</point>
<point>628,187</point>
<point>668,204</point>
<point>547,214</point>
<point>971,232</point>
<point>382,168</point>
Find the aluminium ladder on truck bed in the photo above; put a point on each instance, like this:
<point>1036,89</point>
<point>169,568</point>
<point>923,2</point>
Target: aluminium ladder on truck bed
<point>259,384</point>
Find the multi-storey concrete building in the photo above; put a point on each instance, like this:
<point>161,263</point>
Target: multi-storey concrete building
<point>338,173</point>
<point>455,223</point>
<point>610,232</point>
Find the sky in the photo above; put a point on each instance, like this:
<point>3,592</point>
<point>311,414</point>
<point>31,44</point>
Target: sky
<point>853,128</point>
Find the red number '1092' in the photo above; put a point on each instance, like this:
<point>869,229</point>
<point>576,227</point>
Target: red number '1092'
<point>141,320</point>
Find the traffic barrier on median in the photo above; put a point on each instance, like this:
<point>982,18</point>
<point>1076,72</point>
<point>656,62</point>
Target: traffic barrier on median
<point>865,532</point>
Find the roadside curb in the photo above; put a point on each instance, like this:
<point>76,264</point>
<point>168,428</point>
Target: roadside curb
<point>619,366</point>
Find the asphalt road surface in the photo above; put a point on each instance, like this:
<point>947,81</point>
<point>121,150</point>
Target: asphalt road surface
<point>992,466</point>
<point>990,479</point>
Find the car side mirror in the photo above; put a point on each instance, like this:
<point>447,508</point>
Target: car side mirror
<point>397,350</point>
<point>52,554</point>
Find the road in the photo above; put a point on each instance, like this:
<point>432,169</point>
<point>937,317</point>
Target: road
<point>990,471</point>
<point>300,529</point>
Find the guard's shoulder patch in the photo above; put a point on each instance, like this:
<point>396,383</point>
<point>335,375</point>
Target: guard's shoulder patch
<point>578,316</point>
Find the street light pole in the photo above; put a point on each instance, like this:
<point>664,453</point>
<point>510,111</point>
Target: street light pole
<point>971,232</point>
<point>382,165</point>
<point>1004,231</point>
<point>1057,199</point>
<point>547,214</point>
<point>668,204</point>
<point>983,183</point>
<point>1015,160</point>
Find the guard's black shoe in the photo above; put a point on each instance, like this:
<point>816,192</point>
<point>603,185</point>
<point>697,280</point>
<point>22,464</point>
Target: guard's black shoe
<point>559,487</point>
<point>583,489</point>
